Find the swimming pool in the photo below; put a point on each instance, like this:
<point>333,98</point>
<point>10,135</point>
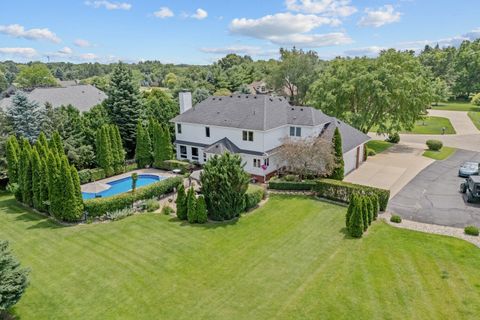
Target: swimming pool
<point>123,185</point>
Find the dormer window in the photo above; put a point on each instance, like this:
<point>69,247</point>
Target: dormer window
<point>247,135</point>
<point>179,128</point>
<point>295,131</point>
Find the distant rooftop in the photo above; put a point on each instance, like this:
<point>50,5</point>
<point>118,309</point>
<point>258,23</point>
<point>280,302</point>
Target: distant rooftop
<point>83,97</point>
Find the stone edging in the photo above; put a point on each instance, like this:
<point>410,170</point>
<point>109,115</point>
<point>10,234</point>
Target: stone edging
<point>431,228</point>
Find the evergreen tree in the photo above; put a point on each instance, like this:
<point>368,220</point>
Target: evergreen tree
<point>78,193</point>
<point>355,228</point>
<point>365,214</point>
<point>338,172</point>
<point>191,206</point>
<point>143,153</point>
<point>13,157</point>
<point>201,210</point>
<point>181,202</point>
<point>117,159</point>
<point>369,203</point>
<point>36,179</point>
<point>351,208</point>
<point>42,145</point>
<point>26,117</point>
<point>376,206</point>
<point>43,206</point>
<point>54,189</point>
<point>123,105</point>
<point>57,143</point>
<point>167,144</point>
<point>68,210</point>
<point>26,173</point>
<point>13,278</point>
<point>157,143</point>
<point>104,150</point>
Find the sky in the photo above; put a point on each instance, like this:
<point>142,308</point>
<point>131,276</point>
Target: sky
<point>202,31</point>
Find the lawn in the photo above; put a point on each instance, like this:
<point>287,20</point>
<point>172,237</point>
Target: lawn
<point>430,125</point>
<point>475,117</point>
<point>456,106</point>
<point>289,259</point>
<point>443,154</point>
<point>378,145</point>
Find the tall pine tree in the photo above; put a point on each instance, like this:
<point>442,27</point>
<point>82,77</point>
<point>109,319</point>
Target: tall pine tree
<point>123,105</point>
<point>26,117</point>
<point>104,152</point>
<point>339,171</point>
<point>143,150</point>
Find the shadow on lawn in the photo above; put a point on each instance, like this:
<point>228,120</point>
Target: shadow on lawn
<point>346,235</point>
<point>209,225</point>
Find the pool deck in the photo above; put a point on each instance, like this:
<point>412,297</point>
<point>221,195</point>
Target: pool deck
<point>101,185</point>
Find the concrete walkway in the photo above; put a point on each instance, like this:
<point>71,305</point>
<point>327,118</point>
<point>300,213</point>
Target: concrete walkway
<point>461,122</point>
<point>391,169</point>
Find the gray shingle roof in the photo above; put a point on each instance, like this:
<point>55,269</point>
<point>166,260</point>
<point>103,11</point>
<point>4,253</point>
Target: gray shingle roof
<point>222,146</point>
<point>83,97</point>
<point>351,137</point>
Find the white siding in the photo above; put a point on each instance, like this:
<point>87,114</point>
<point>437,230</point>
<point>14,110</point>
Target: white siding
<point>350,159</point>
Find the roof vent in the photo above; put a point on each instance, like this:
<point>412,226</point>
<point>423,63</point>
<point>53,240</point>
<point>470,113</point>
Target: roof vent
<point>231,96</point>
<point>271,99</point>
<point>293,108</point>
<point>213,99</point>
<point>239,96</point>
<point>254,97</point>
<point>301,109</point>
<point>219,99</point>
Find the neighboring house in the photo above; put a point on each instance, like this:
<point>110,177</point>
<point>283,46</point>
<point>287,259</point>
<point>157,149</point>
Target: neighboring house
<point>259,87</point>
<point>254,127</point>
<point>83,97</point>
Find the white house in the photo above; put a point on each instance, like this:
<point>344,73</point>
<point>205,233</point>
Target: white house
<point>254,126</point>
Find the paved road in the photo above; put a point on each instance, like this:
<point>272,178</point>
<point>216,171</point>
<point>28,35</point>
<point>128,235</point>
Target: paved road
<point>433,195</point>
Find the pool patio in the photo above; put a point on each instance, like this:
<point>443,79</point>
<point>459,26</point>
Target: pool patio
<point>102,185</point>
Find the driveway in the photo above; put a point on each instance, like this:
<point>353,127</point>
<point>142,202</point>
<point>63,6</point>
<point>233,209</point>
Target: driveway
<point>433,195</point>
<point>391,169</point>
<point>461,122</point>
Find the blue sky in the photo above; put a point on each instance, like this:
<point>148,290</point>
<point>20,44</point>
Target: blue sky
<point>199,32</point>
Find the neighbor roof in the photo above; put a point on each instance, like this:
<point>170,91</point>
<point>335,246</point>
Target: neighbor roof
<point>83,97</point>
<point>253,112</point>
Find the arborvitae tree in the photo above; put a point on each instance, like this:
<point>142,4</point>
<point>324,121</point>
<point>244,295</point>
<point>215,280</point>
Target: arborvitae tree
<point>13,157</point>
<point>117,149</point>
<point>26,173</point>
<point>365,213</point>
<point>152,127</point>
<point>224,183</point>
<point>376,206</point>
<point>143,150</point>
<point>78,193</point>
<point>338,172</point>
<point>58,143</point>
<point>104,150</point>
<point>355,228</point>
<point>201,210</point>
<point>351,208</point>
<point>42,145</point>
<point>43,185</point>
<point>26,117</point>
<point>167,143</point>
<point>13,278</point>
<point>369,203</point>
<point>123,105</point>
<point>68,210</point>
<point>54,188</point>
<point>181,202</point>
<point>157,143</point>
<point>191,206</point>
<point>36,179</point>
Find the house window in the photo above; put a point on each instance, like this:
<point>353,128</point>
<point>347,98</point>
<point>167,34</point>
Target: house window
<point>247,135</point>
<point>179,128</point>
<point>183,152</point>
<point>207,132</point>
<point>204,157</point>
<point>256,163</point>
<point>194,153</point>
<point>266,161</point>
<point>295,131</point>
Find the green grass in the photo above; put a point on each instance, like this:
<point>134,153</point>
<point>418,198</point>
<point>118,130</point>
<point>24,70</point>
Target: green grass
<point>289,259</point>
<point>443,154</point>
<point>378,145</point>
<point>430,125</point>
<point>457,106</point>
<point>475,117</point>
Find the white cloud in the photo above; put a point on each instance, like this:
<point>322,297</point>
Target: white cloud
<point>341,8</point>
<point>109,5</point>
<point>200,14</point>
<point>18,31</point>
<point>372,51</point>
<point>290,29</point>
<point>88,56</point>
<point>65,50</point>
<point>379,17</point>
<point>82,43</point>
<point>163,13</point>
<point>19,52</point>
<point>241,49</point>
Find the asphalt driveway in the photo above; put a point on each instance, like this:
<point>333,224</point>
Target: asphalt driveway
<point>433,195</point>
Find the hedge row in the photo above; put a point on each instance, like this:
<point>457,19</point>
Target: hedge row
<point>343,191</point>
<point>277,184</point>
<point>100,206</point>
<point>175,164</point>
<point>90,175</point>
<point>253,196</point>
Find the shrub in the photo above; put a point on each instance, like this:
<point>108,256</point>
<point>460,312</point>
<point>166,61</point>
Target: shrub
<point>395,219</point>
<point>279,184</point>
<point>253,196</point>
<point>471,231</point>
<point>356,224</point>
<point>476,99</point>
<point>167,210</point>
<point>119,214</point>
<point>151,205</point>
<point>85,176</point>
<point>169,165</point>
<point>343,191</point>
<point>393,138</point>
<point>99,206</point>
<point>97,174</point>
<point>371,152</point>
<point>14,279</point>
<point>181,202</point>
<point>202,215</point>
<point>291,177</point>
<point>434,145</point>
<point>374,199</point>
<point>130,167</point>
<point>191,206</point>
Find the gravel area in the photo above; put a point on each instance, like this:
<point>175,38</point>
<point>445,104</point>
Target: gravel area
<point>431,228</point>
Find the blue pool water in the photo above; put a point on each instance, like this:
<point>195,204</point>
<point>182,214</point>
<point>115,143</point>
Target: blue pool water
<point>123,185</point>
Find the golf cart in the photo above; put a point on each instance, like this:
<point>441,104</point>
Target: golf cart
<point>471,187</point>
